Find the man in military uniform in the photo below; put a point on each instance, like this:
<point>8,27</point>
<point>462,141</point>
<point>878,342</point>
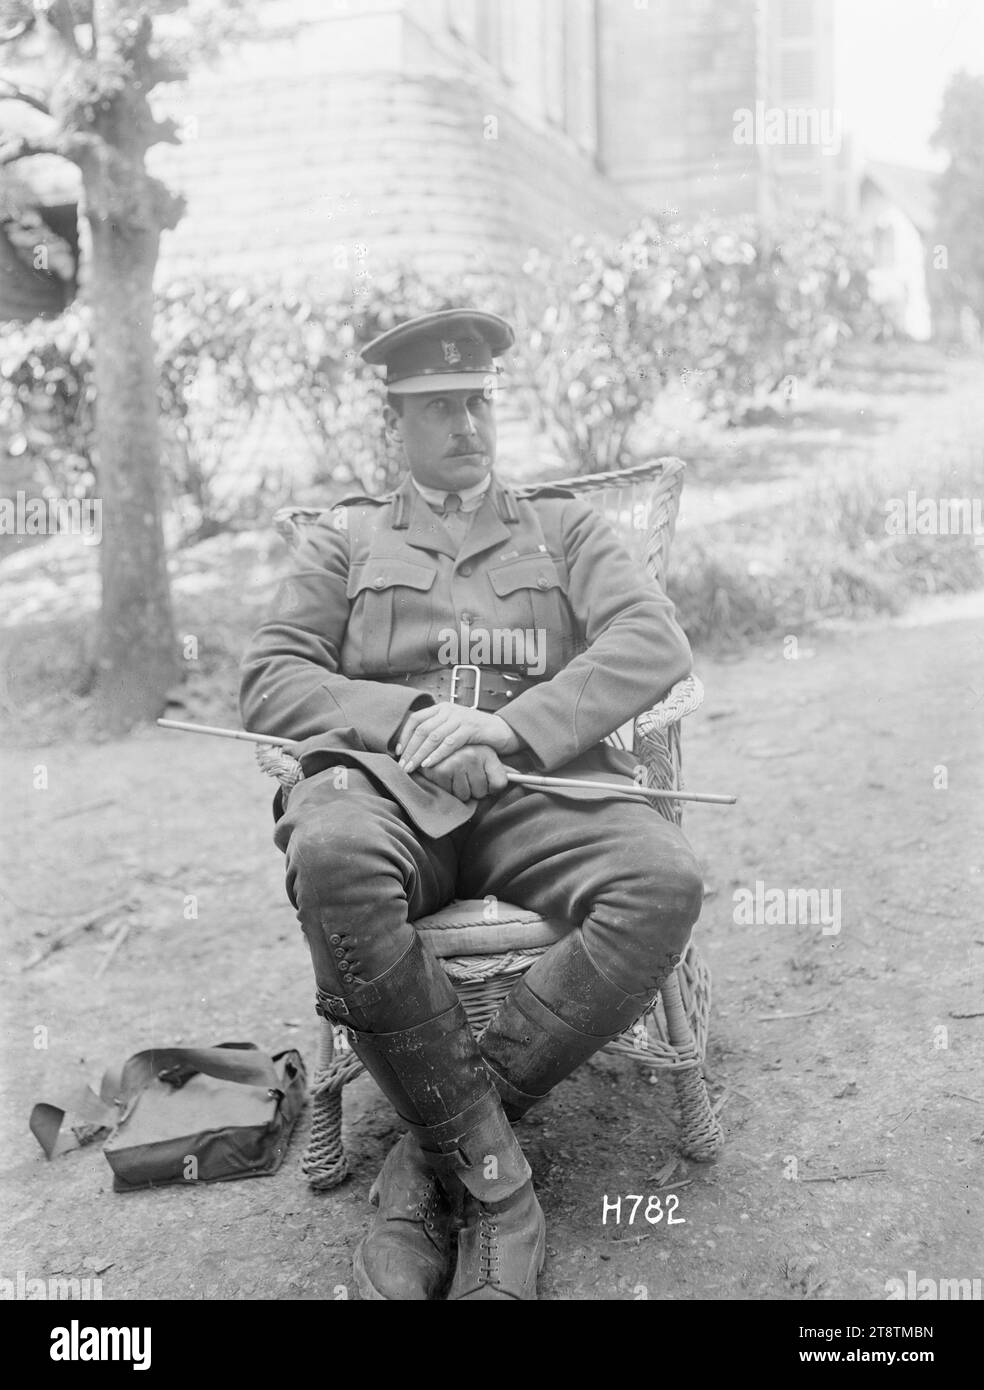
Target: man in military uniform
<point>405,802</point>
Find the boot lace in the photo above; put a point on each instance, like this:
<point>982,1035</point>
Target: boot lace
<point>488,1231</point>
<point>428,1205</point>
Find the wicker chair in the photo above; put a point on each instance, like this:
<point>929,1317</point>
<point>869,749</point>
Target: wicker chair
<point>486,946</point>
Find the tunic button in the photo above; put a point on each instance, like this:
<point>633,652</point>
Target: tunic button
<point>334,940</point>
<point>345,965</point>
<point>465,571</point>
<point>379,582</point>
<point>349,979</point>
<point>543,582</point>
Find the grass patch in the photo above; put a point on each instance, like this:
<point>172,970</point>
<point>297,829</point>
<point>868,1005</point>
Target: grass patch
<point>830,556</point>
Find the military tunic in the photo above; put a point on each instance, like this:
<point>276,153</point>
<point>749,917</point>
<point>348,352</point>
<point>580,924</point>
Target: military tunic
<point>379,588</point>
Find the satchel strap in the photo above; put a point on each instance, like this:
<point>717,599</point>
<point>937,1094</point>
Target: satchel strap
<point>121,1086</point>
<point>228,1062</point>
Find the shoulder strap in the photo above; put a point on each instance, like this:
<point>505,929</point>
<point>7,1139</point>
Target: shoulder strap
<point>357,520</point>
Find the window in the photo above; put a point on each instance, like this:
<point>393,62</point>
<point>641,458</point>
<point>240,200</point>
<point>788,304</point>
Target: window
<point>796,19</point>
<point>509,39</point>
<point>797,75</point>
<point>553,25</point>
<point>581,73</point>
<point>475,23</point>
<point>463,20</point>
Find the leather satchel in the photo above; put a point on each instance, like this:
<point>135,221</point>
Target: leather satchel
<point>194,1114</point>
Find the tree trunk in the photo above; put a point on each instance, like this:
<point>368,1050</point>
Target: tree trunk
<point>137,654</point>
<point>104,123</point>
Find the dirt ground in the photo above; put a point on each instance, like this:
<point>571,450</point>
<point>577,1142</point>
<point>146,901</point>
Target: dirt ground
<point>849,1063</point>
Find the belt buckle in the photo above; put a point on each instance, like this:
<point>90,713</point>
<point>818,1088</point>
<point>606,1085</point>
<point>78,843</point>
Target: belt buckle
<point>456,677</point>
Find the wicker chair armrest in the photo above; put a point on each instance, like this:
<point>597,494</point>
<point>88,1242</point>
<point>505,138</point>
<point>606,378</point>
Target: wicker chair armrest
<point>277,762</point>
<point>683,698</point>
<point>656,741</point>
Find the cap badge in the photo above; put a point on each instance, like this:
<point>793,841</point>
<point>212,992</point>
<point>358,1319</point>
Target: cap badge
<point>451,354</point>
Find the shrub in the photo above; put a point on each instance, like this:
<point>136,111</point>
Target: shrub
<point>724,309</point>
<point>46,399</point>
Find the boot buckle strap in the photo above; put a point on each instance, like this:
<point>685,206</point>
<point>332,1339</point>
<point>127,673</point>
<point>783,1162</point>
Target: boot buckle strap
<point>446,1138</point>
<point>331,1006</point>
<point>362,996</point>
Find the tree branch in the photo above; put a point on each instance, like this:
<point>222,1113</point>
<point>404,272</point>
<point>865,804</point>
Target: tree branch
<point>61,19</point>
<point>13,148</point>
<point>12,35</point>
<point>162,67</point>
<point>72,147</point>
<point>169,207</point>
<point>15,93</point>
<point>164,132</point>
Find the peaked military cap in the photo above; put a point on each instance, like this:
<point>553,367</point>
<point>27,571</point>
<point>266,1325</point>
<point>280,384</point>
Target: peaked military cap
<point>451,350</point>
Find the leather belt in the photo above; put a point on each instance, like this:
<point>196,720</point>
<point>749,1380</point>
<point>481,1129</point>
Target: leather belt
<point>487,688</point>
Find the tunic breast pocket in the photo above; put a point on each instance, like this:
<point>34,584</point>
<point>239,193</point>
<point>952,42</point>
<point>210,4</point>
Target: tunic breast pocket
<point>390,612</point>
<point>530,593</point>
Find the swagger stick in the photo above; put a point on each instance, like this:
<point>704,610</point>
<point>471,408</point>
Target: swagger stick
<point>527,779</point>
<point>522,779</point>
<point>227,733</point>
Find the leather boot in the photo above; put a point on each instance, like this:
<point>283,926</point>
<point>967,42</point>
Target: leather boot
<point>406,1255</point>
<point>501,1249</point>
<point>473,1152</point>
<point>412,1034</point>
<point>449,1103</point>
<point>557,1016</point>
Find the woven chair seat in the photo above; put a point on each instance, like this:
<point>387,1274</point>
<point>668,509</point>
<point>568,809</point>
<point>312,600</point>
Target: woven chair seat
<point>484,958</point>
<point>474,927</point>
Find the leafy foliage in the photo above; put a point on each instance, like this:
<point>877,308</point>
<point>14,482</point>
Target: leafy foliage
<point>722,311</point>
<point>46,401</point>
<point>960,195</point>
